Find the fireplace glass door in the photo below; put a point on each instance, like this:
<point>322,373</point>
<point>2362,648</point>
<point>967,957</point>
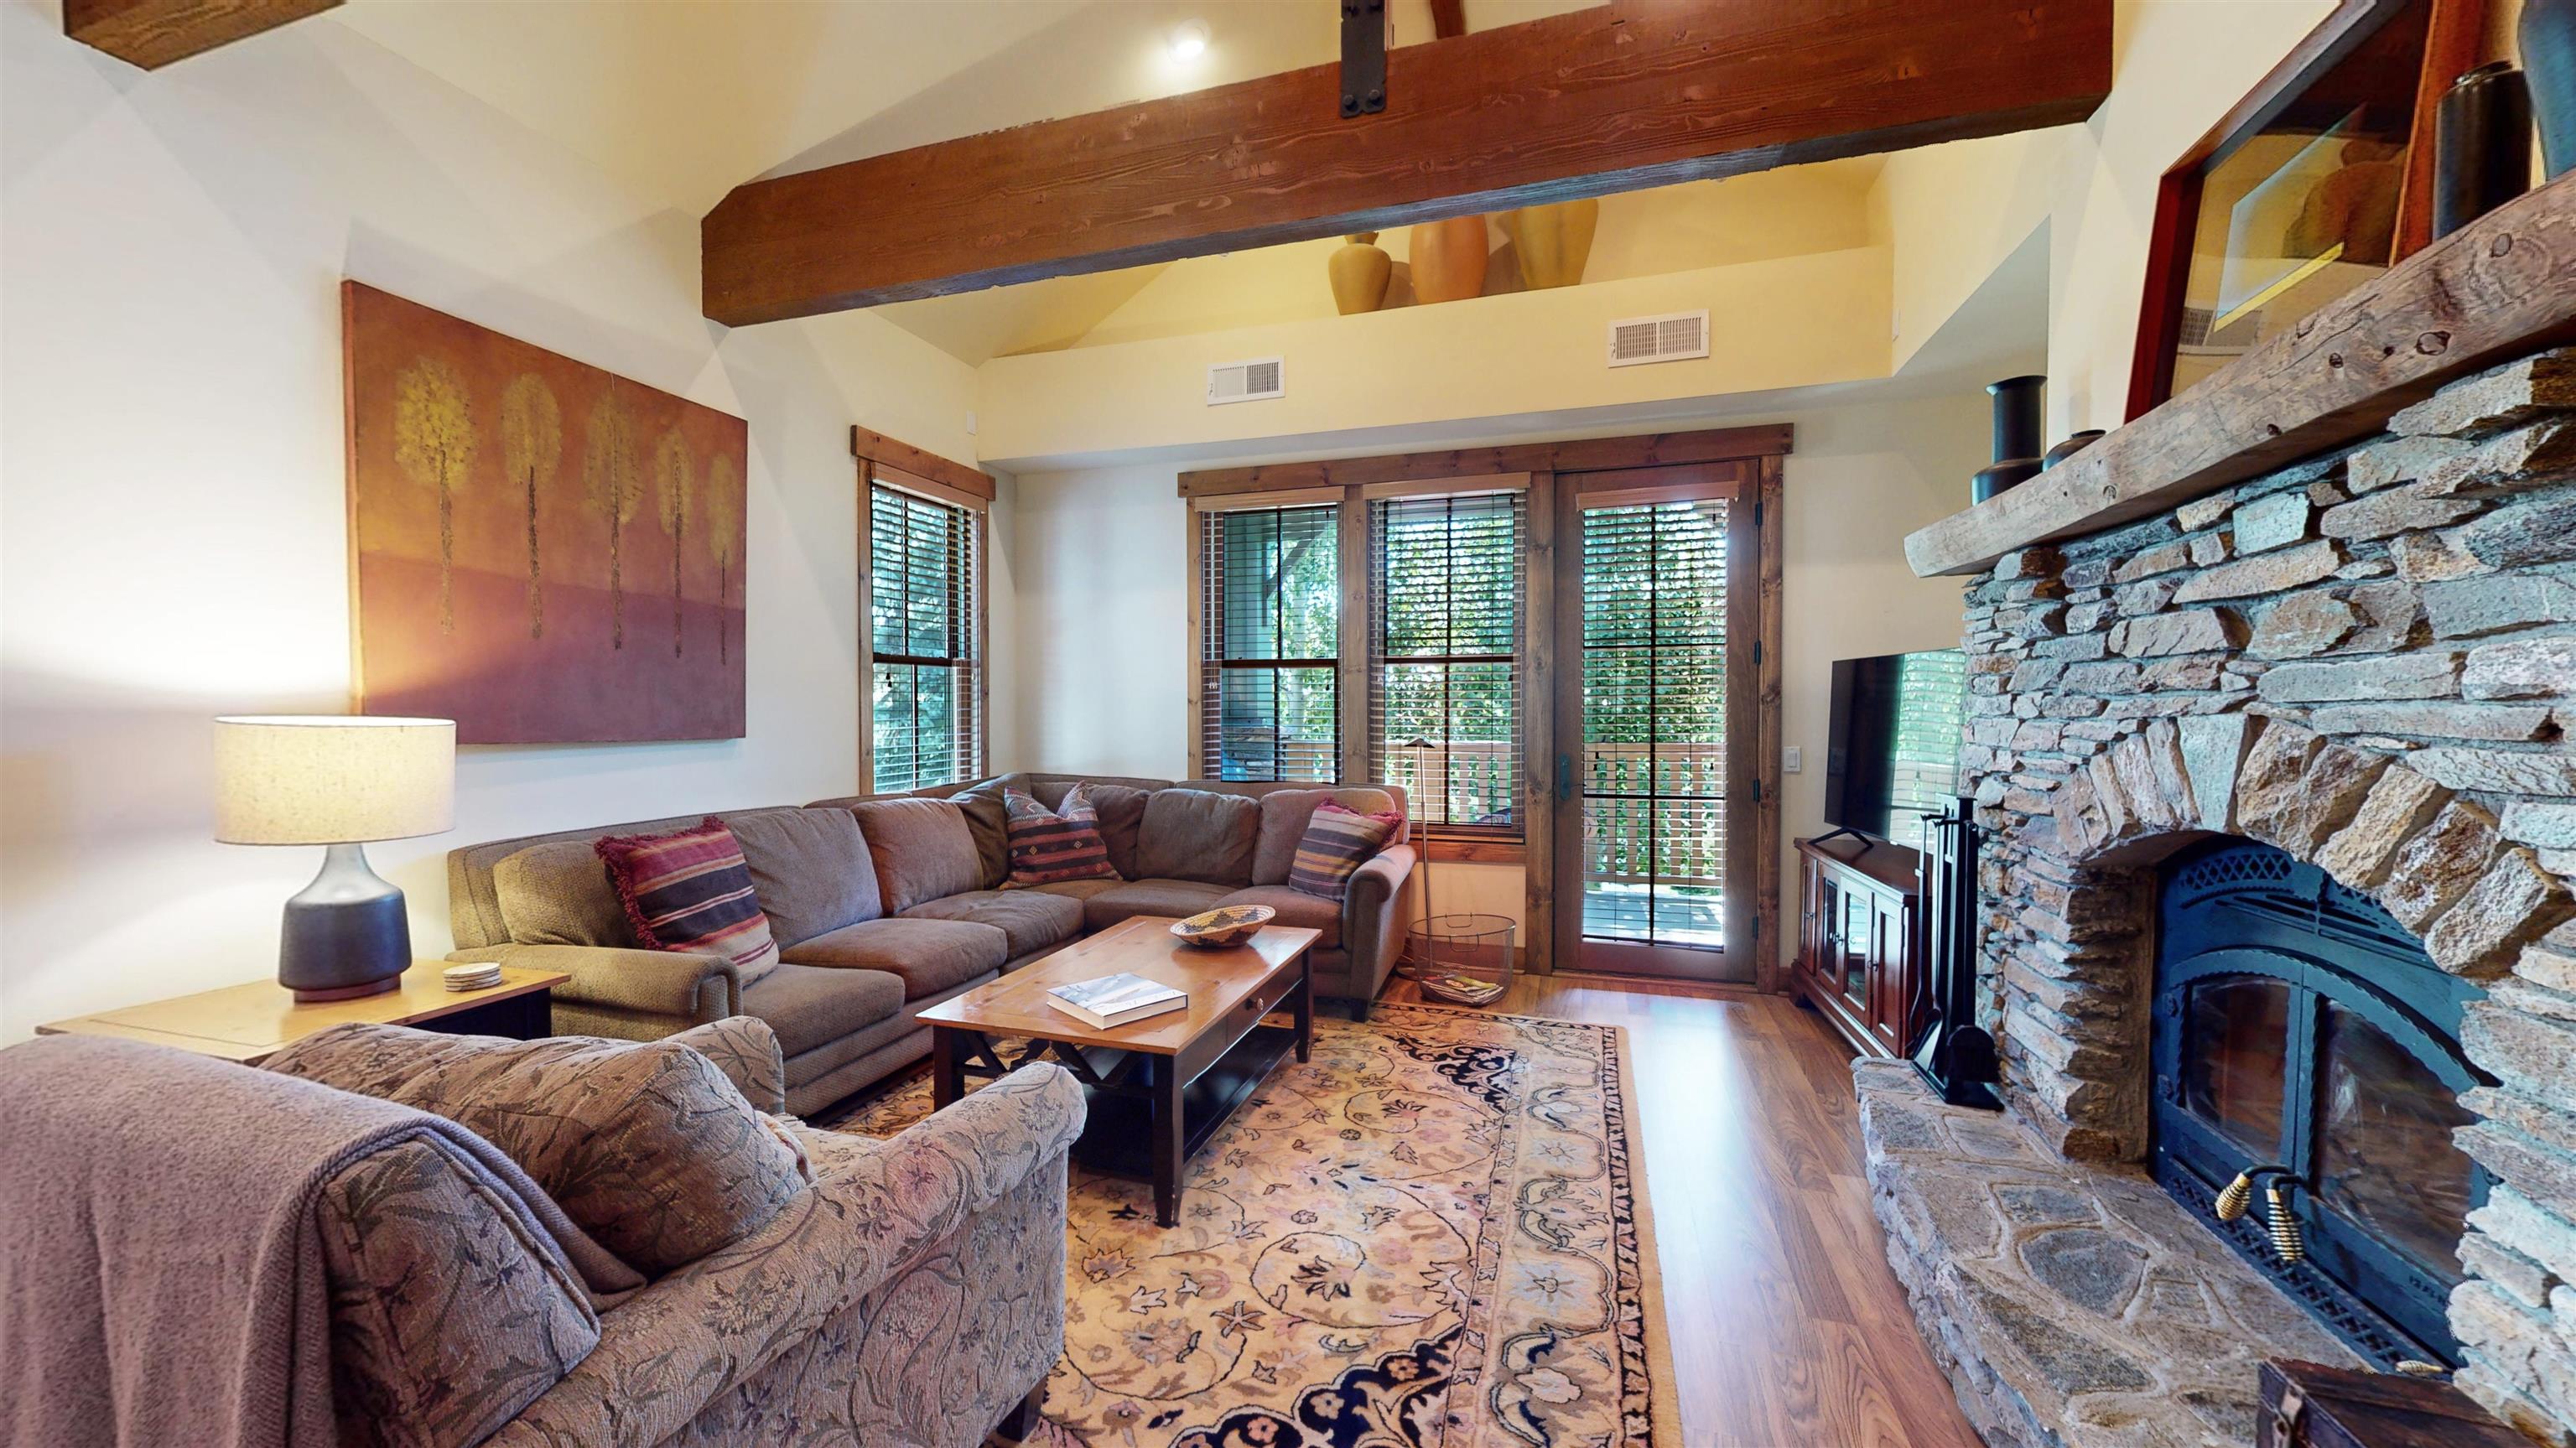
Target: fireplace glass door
<point>2298,1023</point>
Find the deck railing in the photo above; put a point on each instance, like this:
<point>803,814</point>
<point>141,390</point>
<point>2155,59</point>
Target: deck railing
<point>1682,834</point>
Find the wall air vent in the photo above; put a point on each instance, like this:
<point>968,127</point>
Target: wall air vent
<point>1245,381</point>
<point>1669,338</point>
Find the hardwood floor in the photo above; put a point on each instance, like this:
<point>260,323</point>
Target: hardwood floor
<point>1787,1326</point>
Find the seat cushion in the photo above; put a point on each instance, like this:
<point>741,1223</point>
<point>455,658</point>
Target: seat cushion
<point>810,868</point>
<point>1195,834</point>
<point>1149,897</point>
<point>922,849</point>
<point>1028,919</point>
<point>930,955</point>
<point>1075,889</point>
<point>811,1006</point>
<point>644,1144</point>
<point>1284,815</point>
<point>559,893</point>
<point>1296,907</point>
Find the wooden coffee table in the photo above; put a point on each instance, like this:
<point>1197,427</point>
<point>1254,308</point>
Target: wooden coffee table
<point>1159,1087</point>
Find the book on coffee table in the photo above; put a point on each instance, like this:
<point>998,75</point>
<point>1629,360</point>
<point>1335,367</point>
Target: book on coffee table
<point>1115,1000</point>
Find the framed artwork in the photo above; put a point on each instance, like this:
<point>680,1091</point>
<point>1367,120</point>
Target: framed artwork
<point>545,552</point>
<point>2319,179</point>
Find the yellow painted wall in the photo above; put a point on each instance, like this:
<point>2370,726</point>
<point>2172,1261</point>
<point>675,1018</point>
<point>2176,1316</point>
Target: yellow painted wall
<point>1764,216</point>
<point>1954,211</point>
<point>1791,322</point>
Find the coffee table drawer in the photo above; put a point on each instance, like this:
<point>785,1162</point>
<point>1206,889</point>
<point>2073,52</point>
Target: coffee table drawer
<point>1267,999</point>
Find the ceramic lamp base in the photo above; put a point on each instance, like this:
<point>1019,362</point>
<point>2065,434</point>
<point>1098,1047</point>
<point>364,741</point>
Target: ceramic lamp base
<point>345,935</point>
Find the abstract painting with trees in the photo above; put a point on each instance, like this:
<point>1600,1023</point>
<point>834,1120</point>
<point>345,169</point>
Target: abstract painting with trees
<point>540,550</point>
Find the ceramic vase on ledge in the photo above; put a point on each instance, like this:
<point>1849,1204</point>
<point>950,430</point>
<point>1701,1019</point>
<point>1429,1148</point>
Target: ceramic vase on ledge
<point>2016,437</point>
<point>1554,241</point>
<point>1359,273</point>
<point>1448,259</point>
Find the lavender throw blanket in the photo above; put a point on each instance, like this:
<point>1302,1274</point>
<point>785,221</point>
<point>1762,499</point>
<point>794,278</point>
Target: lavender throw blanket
<point>161,1264</point>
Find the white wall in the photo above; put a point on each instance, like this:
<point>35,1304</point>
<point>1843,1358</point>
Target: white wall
<point>1103,610</point>
<point>172,484</point>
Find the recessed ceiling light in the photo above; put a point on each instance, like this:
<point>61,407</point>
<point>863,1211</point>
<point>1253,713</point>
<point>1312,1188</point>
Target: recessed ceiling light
<point>1189,40</point>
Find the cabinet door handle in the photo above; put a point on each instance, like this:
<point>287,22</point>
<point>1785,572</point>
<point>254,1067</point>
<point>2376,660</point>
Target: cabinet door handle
<point>1565,776</point>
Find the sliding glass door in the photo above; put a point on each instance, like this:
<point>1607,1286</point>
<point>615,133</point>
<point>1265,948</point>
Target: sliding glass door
<point>1654,778</point>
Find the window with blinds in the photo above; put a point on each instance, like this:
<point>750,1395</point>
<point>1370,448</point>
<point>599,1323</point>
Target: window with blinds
<point>1270,644</point>
<point>1654,721</point>
<point>1445,588</point>
<point>925,669</point>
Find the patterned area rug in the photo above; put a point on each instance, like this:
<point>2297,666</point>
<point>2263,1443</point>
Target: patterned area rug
<point>1436,1233</point>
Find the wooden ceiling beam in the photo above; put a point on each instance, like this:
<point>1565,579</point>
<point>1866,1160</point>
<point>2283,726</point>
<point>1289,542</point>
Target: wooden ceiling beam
<point>1605,99</point>
<point>153,33</point>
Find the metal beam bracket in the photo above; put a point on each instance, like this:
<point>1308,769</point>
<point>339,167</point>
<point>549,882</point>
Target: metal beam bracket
<point>1363,57</point>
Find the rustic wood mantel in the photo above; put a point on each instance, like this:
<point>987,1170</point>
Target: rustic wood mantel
<point>2498,288</point>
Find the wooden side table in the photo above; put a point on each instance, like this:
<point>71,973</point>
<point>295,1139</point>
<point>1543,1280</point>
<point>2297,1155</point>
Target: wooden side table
<point>251,1021</point>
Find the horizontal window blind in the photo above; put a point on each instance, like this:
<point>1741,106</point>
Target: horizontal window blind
<point>1654,721</point>
<point>1446,582</point>
<point>926,675</point>
<point>1269,645</point>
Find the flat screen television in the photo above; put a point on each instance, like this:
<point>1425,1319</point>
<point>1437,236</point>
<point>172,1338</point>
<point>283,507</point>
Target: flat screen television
<point>1892,751</point>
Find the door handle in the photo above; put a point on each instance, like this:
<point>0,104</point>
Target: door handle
<point>1565,776</point>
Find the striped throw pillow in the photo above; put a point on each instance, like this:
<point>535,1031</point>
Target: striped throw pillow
<point>1059,844</point>
<point>690,891</point>
<point>1338,841</point>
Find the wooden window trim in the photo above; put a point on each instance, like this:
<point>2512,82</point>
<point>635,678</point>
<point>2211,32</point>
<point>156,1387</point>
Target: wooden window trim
<point>1460,841</point>
<point>1200,512</point>
<point>1764,447</point>
<point>883,462</point>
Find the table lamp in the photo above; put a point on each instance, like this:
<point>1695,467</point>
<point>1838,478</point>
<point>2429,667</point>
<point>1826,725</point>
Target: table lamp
<point>337,781</point>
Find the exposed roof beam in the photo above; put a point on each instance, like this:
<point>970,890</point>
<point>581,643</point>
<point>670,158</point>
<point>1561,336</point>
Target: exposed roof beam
<point>153,33</point>
<point>1607,99</point>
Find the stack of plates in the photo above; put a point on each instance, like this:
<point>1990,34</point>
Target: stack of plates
<point>472,977</point>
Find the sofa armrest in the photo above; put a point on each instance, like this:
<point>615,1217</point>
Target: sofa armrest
<point>928,1267</point>
<point>696,989</point>
<point>1373,918</point>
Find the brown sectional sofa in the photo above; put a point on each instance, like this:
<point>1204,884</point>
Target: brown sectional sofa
<point>885,905</point>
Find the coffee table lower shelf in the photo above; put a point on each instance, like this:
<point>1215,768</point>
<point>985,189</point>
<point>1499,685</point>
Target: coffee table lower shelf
<point>1118,1136</point>
<point>1131,1128</point>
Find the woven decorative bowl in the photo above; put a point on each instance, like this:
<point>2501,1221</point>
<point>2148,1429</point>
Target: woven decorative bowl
<point>1226,925</point>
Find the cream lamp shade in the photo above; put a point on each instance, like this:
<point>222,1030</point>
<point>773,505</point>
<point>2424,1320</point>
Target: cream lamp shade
<point>324,779</point>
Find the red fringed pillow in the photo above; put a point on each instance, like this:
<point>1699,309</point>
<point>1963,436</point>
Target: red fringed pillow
<point>1338,841</point>
<point>689,891</point>
<point>1059,844</point>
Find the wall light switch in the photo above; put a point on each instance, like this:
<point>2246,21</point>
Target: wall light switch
<point>1790,762</point>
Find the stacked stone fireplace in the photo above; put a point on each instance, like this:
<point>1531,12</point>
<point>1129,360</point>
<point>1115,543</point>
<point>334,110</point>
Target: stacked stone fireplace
<point>2359,675</point>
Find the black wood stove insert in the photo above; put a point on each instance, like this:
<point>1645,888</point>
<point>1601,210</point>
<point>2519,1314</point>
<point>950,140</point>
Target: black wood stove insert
<point>2296,1022</point>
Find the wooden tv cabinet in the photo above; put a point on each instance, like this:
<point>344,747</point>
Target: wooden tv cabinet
<point>1860,941</point>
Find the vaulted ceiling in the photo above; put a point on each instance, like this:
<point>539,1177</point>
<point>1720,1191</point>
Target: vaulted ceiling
<point>685,99</point>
